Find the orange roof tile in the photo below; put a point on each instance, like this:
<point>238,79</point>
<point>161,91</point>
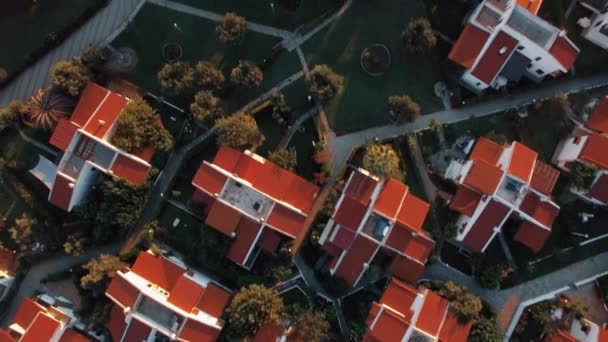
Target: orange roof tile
<point>432,313</point>
<point>531,5</point>
<point>486,150</point>
<point>27,312</point>
<point>146,153</point>
<point>214,300</point>
<point>542,211</point>
<point>90,98</point>
<point>350,213</point>
<point>532,236</point>
<point>560,336</point>
<point>5,336</point>
<point>598,120</point>
<point>61,193</point>
<point>223,218</point>
<point>42,329</point>
<point>71,335</point>
<point>344,238</point>
<point>185,294</point>
<point>390,198</point>
<point>362,251</point>
<point>116,324</point>
<point>301,194</point>
<point>483,177</point>
<point>389,327</point>
<point>468,46</point>
<point>522,162</point>
<point>564,51</point>
<point>415,246</point>
<point>63,134</point>
<point>246,235</point>
<point>106,114</point>
<point>122,291</point>
<point>209,179</point>
<point>227,158</point>
<point>137,331</point>
<point>465,201</point>
<point>268,332</point>
<point>483,229</point>
<point>194,331</point>
<point>130,169</point>
<point>493,60</point>
<point>406,269</point>
<point>454,331</point>
<point>599,190</point>
<point>413,212</point>
<point>595,150</point>
<point>360,187</point>
<point>399,297</point>
<point>270,240</point>
<point>157,270</point>
<point>286,221</point>
<point>544,178</point>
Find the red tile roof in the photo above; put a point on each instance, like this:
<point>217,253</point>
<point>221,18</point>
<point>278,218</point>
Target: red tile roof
<point>532,236</point>
<point>130,169</point>
<point>344,238</point>
<point>468,46</point>
<point>595,150</point>
<point>194,331</point>
<point>137,331</point>
<point>227,158</point>
<point>493,60</point>
<point>406,269</point>
<point>483,177</point>
<point>246,235</point>
<point>390,198</point>
<point>483,229</point>
<point>27,312</point>
<point>542,211</point>
<point>415,246</point>
<point>598,120</point>
<point>565,52</point>
<point>157,270</point>
<point>41,329</point>
<point>269,332</point>
<point>361,251</point>
<point>544,178</point>
<point>350,213</point>
<point>522,162</point>
<point>209,179</point>
<point>560,336</point>
<point>399,297</point>
<point>71,335</point>
<point>106,114</point>
<point>432,313</point>
<point>599,190</point>
<point>61,193</point>
<point>487,151</point>
<point>301,194</point>
<point>286,221</point>
<point>122,291</point>
<point>5,336</point>
<point>531,5</point>
<point>413,212</point>
<point>223,218</point>
<point>214,300</point>
<point>63,134</point>
<point>146,153</point>
<point>116,324</point>
<point>270,240</point>
<point>454,331</point>
<point>389,327</point>
<point>360,187</point>
<point>465,201</point>
<point>185,294</point>
<point>91,97</point>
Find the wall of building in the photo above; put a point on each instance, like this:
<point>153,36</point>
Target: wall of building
<point>593,33</point>
<point>84,184</point>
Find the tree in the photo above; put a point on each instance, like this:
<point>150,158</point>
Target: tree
<point>485,330</point>
<point>206,106</point>
<point>208,77</point>
<point>382,161</point>
<point>46,108</point>
<point>176,80</point>
<point>247,74</point>
<point>69,76</point>
<point>403,107</point>
<point>311,325</point>
<point>231,29</point>
<point>418,36</point>
<point>251,307</point>
<point>583,175</point>
<point>11,114</point>
<point>280,109</point>
<point>466,304</point>
<point>285,158</point>
<point>95,57</point>
<point>100,271</point>
<point>498,138</point>
<point>140,126</point>
<point>324,83</point>
<point>73,245</point>
<point>491,276</point>
<point>22,230</point>
<point>436,126</point>
<point>238,131</point>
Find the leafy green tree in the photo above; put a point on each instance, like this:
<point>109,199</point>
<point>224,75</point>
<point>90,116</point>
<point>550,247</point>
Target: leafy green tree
<point>498,138</point>
<point>418,36</point>
<point>238,131</point>
<point>99,272</point>
<point>232,29</point>
<point>280,110</point>
<point>485,330</point>
<point>403,107</point>
<point>73,245</point>
<point>140,126</point>
<point>491,276</point>
<point>382,161</point>
<point>467,305</point>
<point>69,76</point>
<point>21,231</point>
<point>582,175</point>
<point>12,113</point>
<point>285,158</point>
<point>251,307</point>
<point>311,325</point>
<point>436,126</point>
<point>208,77</point>
<point>177,80</point>
<point>95,57</point>
<point>247,74</point>
<point>324,83</point>
<point>206,106</point>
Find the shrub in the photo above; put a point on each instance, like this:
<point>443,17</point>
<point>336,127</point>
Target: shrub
<point>69,76</point>
<point>238,131</point>
<point>231,29</point>
<point>324,83</point>
<point>418,36</point>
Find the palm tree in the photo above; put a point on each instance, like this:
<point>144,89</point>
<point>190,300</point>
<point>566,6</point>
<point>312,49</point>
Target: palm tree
<point>46,108</point>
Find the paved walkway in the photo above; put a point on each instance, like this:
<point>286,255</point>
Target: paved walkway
<point>108,21</point>
<point>272,91</point>
<point>294,127</point>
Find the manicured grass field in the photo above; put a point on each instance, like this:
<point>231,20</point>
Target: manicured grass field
<point>25,28</point>
<point>261,11</point>
<point>363,102</point>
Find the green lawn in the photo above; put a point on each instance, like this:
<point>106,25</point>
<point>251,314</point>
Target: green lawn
<point>25,28</point>
<point>261,12</point>
<point>363,102</point>
<point>153,28</point>
<point>302,142</point>
<point>271,129</point>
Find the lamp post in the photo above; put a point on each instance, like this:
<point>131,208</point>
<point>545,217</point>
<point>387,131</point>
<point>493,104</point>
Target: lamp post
<point>177,27</point>
<point>586,236</point>
<point>272,6</point>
